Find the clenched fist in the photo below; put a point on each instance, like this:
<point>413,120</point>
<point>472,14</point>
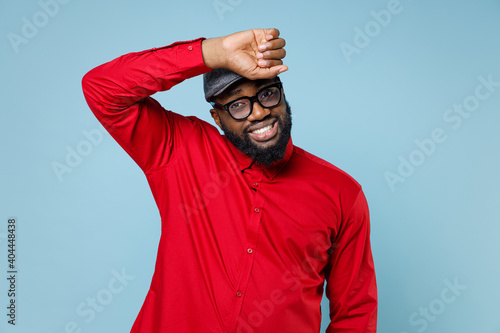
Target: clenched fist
<point>254,54</point>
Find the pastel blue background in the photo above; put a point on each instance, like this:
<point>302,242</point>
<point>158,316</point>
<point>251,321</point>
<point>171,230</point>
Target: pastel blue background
<point>360,113</point>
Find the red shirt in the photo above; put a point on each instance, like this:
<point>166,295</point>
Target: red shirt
<point>243,248</point>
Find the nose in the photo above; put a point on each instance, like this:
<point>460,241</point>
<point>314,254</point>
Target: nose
<point>258,112</point>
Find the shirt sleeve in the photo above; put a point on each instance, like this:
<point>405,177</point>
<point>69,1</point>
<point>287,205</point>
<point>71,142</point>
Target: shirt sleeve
<point>118,93</point>
<point>351,285</point>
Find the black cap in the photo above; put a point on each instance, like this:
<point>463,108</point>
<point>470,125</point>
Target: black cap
<point>218,80</point>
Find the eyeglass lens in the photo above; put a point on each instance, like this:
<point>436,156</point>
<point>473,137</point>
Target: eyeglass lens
<point>268,97</point>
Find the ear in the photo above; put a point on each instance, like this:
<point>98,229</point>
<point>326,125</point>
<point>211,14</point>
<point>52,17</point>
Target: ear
<point>215,115</point>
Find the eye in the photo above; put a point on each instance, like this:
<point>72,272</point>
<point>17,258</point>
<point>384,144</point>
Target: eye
<point>238,105</point>
<point>268,93</point>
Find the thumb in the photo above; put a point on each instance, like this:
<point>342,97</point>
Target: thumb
<point>274,71</point>
<point>267,73</point>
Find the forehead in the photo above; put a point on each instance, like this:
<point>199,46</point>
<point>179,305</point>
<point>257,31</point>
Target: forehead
<point>243,87</point>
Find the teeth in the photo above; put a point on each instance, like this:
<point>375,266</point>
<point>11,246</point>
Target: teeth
<point>263,129</point>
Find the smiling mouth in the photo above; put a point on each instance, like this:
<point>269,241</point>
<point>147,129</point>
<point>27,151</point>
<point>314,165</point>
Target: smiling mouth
<point>264,133</point>
<point>263,129</point>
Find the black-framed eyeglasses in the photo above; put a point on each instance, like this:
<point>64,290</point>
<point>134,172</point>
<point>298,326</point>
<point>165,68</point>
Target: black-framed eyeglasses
<point>241,108</point>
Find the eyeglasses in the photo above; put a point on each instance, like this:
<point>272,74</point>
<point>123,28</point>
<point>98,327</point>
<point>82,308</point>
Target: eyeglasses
<point>242,107</point>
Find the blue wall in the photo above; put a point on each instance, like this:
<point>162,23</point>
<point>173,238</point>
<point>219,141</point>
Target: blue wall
<point>403,95</point>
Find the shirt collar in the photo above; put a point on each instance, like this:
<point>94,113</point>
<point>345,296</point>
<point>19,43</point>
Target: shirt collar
<point>245,162</point>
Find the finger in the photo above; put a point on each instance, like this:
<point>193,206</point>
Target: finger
<point>272,45</point>
<point>269,63</point>
<point>273,54</point>
<point>280,69</point>
<point>271,33</point>
<point>267,73</point>
<point>277,70</point>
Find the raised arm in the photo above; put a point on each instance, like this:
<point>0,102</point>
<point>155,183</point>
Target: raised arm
<point>118,92</point>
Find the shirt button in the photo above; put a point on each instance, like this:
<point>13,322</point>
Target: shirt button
<point>255,184</point>
<point>257,209</point>
<point>238,294</point>
<point>190,48</point>
<point>249,250</point>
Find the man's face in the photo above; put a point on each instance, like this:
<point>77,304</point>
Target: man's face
<point>265,133</point>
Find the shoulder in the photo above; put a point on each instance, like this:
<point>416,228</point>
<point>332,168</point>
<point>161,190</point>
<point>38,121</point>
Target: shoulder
<point>313,168</point>
<point>204,125</point>
<point>188,125</point>
<point>205,132</point>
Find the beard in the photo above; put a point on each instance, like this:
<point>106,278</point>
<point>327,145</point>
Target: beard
<point>269,155</point>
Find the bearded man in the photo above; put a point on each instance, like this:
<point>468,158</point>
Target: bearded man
<point>252,226</point>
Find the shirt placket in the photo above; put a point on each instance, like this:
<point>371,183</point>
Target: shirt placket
<point>254,179</point>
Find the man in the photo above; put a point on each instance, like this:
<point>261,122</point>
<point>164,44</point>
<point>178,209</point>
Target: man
<point>252,226</point>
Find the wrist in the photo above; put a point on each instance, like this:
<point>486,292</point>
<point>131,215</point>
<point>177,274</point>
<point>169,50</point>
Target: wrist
<point>211,51</point>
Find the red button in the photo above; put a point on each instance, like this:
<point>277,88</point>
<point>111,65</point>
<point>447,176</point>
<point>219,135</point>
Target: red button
<point>249,251</point>
<point>190,48</point>
<point>238,294</point>
<point>255,184</point>
<point>257,209</point>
